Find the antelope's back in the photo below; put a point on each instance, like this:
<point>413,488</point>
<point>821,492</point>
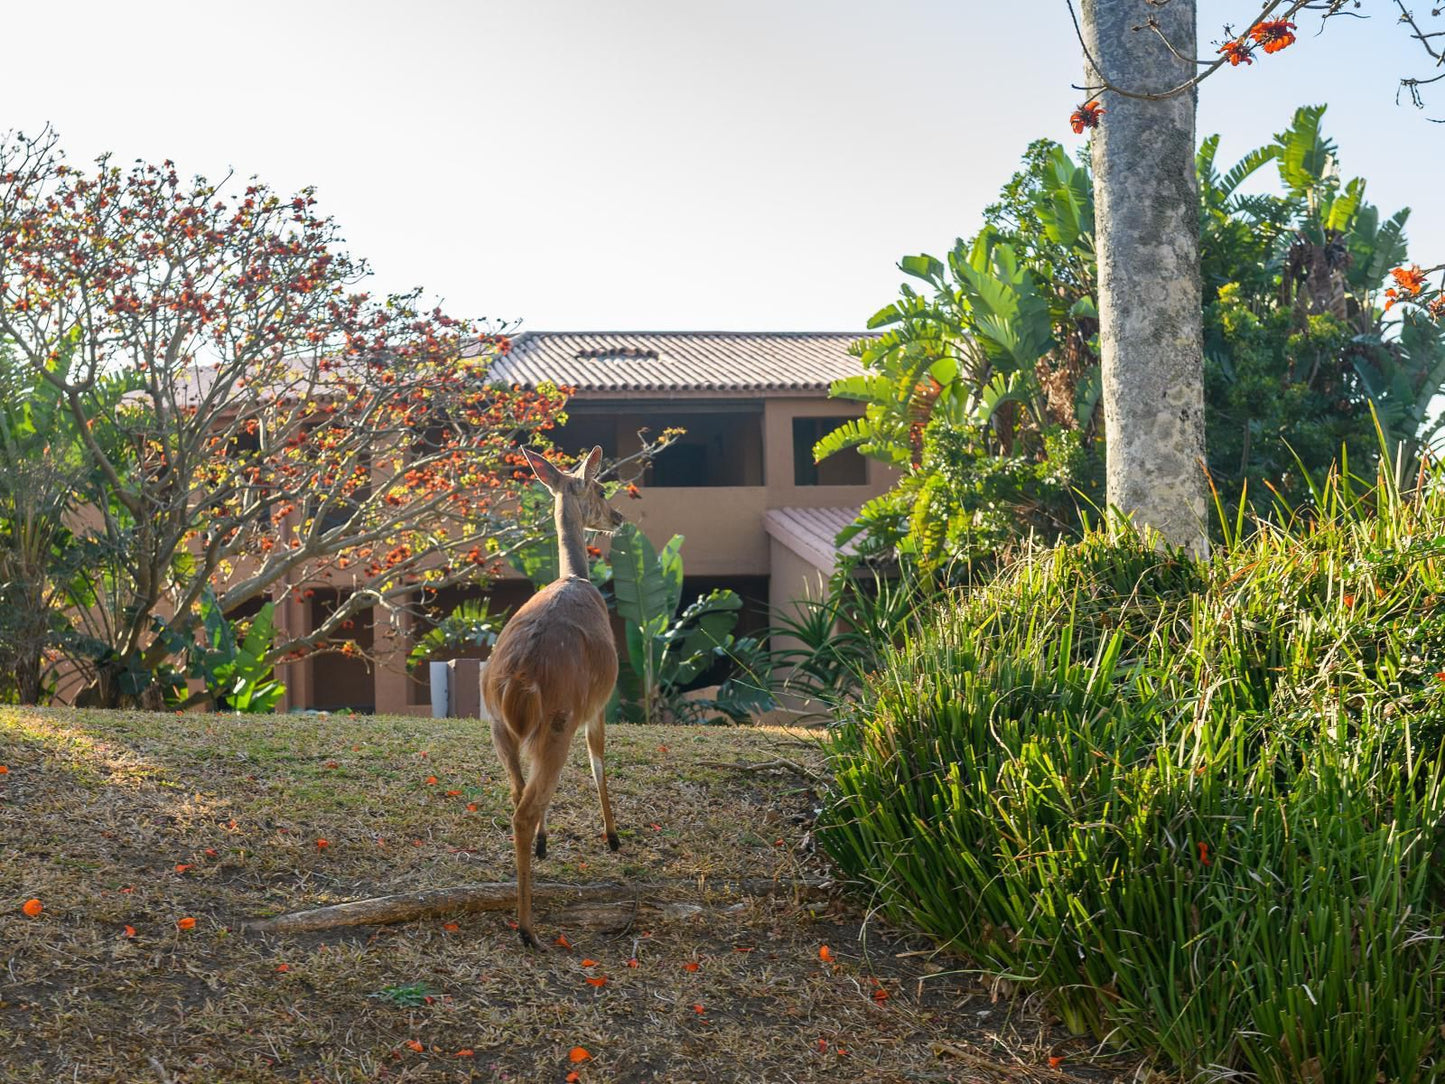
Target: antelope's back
<point>559,643</point>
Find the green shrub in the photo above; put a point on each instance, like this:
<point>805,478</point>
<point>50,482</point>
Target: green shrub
<point>1196,806</point>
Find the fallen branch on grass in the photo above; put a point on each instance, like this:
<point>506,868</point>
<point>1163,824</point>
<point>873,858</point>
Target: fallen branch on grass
<point>599,904</point>
<point>765,766</point>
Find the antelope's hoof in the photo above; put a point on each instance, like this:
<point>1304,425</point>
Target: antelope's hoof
<point>613,843</point>
<point>541,847</point>
<point>528,941</point>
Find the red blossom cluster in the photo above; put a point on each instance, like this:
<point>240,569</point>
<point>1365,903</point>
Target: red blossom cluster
<point>1409,282</point>
<point>1272,35</point>
<point>1086,116</point>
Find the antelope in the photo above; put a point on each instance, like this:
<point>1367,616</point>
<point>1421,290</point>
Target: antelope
<point>552,670</point>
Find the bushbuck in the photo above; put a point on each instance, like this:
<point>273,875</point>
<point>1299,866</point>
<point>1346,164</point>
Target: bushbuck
<point>552,670</point>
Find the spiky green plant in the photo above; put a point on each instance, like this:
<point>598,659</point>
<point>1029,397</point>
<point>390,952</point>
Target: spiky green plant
<point>1196,806</point>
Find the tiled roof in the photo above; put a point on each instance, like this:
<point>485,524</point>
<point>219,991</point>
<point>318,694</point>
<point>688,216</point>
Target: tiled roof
<point>810,532</point>
<point>675,361</point>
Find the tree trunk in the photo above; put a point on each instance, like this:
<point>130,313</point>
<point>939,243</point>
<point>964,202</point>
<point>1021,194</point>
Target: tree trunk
<point>1147,229</point>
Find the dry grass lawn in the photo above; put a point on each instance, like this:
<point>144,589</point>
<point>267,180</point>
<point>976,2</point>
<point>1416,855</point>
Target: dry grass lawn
<point>125,824</point>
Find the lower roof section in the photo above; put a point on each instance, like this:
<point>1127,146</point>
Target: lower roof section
<point>811,533</point>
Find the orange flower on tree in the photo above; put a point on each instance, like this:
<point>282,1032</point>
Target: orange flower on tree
<point>1237,52</point>
<point>1086,116</point>
<point>1409,282</point>
<point>1273,34</point>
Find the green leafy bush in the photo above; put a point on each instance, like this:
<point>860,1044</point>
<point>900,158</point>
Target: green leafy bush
<point>232,659</point>
<point>1196,806</point>
<point>666,650</point>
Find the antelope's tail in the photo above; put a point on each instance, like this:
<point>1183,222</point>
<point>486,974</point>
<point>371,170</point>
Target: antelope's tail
<point>521,709</point>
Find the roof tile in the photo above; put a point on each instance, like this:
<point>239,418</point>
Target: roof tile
<point>662,361</point>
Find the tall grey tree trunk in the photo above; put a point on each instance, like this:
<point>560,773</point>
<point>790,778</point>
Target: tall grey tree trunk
<point>1147,231</point>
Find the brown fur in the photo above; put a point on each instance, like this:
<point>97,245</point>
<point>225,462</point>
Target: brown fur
<point>551,671</point>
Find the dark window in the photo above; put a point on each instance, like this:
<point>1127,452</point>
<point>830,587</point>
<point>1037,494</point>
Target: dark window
<point>845,468</point>
<point>718,449</point>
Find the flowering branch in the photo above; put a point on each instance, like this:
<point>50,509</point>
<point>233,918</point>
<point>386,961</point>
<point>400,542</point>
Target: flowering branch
<point>1271,30</point>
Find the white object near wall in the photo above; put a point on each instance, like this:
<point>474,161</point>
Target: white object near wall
<point>441,690</point>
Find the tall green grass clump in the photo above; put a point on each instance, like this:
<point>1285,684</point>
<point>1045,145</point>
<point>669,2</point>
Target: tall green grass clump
<point>1197,806</point>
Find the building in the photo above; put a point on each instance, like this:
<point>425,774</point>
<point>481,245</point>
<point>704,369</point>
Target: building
<point>757,514</point>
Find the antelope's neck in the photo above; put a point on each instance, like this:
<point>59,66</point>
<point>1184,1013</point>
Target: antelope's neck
<point>571,549</point>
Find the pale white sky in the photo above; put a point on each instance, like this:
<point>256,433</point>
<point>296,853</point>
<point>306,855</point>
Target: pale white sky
<point>639,164</point>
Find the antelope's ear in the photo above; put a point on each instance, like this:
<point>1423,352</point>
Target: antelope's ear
<point>547,474</point>
<point>591,463</point>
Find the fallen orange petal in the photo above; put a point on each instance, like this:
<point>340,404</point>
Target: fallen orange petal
<point>573,1077</point>
<point>130,931</point>
<point>471,807</point>
<point>414,1045</point>
<point>454,794</point>
<point>1055,1061</point>
<point>698,1009</point>
<point>4,770</point>
<point>431,780</point>
<point>186,923</point>
<point>880,994</point>
<point>450,927</point>
<point>633,962</point>
<point>322,844</point>
<point>32,907</point>
<point>589,963</point>
<point>466,1053</point>
<point>283,967</point>
<point>578,1054</point>
<point>597,980</point>
<point>181,867</point>
<point>562,940</point>
<point>825,954</point>
<point>691,965</point>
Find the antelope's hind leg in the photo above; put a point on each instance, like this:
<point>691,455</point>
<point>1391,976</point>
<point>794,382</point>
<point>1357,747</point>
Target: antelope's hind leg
<point>596,743</point>
<point>548,756</point>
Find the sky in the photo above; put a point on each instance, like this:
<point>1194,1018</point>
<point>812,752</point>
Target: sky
<point>650,165</point>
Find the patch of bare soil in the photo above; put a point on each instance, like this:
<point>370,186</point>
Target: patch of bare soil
<point>128,825</point>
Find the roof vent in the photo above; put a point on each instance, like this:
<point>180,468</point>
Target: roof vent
<point>617,353</point>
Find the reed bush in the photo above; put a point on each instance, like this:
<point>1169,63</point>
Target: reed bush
<point>1195,805</point>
